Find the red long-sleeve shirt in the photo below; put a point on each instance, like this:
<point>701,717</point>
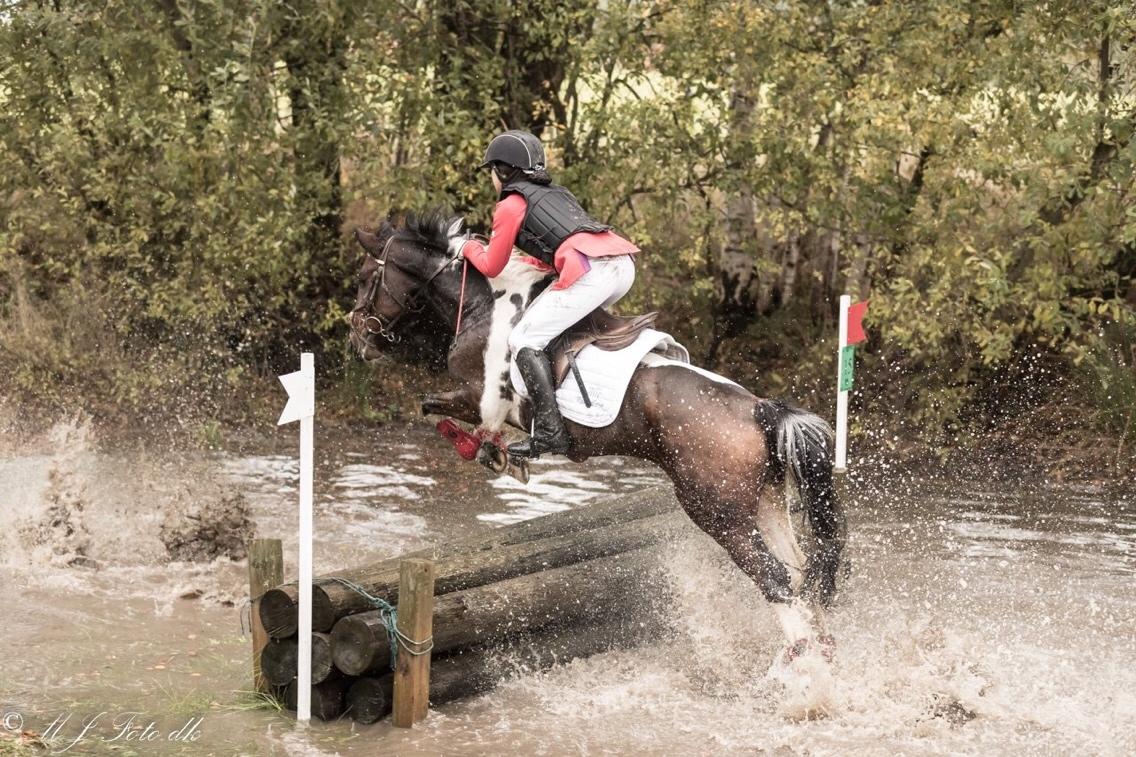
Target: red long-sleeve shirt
<point>570,260</point>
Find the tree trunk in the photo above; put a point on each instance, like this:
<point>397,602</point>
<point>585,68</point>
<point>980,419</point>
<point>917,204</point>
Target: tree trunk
<point>738,290</point>
<point>313,46</point>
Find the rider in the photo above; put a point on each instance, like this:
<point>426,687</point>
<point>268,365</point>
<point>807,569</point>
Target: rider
<point>595,268</point>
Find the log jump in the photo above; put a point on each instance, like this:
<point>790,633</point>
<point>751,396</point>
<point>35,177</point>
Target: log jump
<point>526,596</point>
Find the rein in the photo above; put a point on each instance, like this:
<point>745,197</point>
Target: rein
<point>386,329</point>
<point>461,299</point>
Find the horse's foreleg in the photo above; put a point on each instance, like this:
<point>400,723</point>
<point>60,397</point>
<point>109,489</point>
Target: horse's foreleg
<point>463,404</point>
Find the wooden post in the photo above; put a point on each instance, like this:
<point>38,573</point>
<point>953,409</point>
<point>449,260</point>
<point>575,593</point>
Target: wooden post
<point>266,571</point>
<point>416,626</point>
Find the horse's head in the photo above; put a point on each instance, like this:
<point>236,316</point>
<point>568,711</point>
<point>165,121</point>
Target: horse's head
<point>394,285</point>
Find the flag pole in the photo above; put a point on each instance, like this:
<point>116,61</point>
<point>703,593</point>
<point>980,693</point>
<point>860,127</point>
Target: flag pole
<point>304,661</point>
<point>301,388</point>
<point>841,463</point>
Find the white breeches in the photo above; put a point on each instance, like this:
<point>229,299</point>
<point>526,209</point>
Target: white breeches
<point>551,313</point>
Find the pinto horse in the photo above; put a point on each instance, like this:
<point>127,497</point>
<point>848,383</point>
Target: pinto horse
<point>738,462</point>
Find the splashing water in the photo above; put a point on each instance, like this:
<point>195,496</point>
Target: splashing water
<point>983,620</point>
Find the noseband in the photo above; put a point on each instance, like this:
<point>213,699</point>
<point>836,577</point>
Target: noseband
<point>374,324</point>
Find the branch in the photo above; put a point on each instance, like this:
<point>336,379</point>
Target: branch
<point>1057,211</point>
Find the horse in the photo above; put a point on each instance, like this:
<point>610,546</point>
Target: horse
<point>738,462</point>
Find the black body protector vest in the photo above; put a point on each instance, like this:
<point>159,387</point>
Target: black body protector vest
<point>552,214</point>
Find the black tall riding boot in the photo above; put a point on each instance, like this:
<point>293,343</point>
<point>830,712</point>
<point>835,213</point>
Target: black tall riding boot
<point>549,434</point>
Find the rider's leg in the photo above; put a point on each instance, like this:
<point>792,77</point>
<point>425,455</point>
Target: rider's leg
<point>555,310</point>
<point>550,315</point>
<point>548,432</point>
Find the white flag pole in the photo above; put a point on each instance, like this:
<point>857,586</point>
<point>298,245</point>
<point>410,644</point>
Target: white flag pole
<point>841,395</point>
<point>301,387</point>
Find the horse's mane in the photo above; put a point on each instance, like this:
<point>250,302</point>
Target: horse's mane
<point>428,228</point>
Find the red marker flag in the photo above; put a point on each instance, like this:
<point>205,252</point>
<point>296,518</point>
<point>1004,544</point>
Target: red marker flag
<point>856,322</point>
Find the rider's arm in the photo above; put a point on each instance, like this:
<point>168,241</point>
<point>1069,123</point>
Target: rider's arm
<point>507,219</point>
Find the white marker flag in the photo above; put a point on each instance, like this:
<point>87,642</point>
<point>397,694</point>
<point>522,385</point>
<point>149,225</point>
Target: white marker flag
<point>301,388</point>
<point>301,393</point>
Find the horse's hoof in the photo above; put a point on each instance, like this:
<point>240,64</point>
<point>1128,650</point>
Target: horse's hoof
<point>492,457</point>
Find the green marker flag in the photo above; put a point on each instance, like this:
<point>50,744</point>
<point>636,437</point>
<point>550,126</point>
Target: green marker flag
<point>847,366</point>
<point>851,333</point>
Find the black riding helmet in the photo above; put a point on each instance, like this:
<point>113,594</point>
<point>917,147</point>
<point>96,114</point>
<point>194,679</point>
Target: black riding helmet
<point>516,148</point>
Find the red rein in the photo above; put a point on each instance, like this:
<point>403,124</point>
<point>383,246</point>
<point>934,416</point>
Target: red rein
<point>461,298</point>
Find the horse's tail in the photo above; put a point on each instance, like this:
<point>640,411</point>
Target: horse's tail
<point>798,443</point>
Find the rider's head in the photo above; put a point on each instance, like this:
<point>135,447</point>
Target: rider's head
<point>516,155</point>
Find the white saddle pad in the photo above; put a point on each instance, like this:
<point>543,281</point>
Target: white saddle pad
<point>606,376</point>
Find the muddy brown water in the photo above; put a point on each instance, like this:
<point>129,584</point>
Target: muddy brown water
<point>978,619</point>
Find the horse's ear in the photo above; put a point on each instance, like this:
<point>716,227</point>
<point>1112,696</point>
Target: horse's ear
<point>368,241</point>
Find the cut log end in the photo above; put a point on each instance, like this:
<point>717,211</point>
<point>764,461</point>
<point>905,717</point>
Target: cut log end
<point>278,661</point>
<point>280,611</point>
<point>280,657</point>
<point>328,698</point>
<point>369,698</point>
<point>359,644</point>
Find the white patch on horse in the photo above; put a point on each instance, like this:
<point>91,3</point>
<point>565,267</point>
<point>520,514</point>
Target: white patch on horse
<point>776,528</point>
<point>511,292</point>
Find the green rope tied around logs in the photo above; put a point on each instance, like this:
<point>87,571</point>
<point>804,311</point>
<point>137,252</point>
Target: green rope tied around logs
<point>390,619</point>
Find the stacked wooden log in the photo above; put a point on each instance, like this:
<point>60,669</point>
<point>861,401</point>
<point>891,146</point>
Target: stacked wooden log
<point>523,597</point>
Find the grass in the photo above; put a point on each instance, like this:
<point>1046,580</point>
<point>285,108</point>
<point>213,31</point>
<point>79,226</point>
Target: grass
<point>247,700</point>
<point>186,703</point>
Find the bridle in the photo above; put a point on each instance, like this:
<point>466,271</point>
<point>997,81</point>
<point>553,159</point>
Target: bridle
<point>374,324</point>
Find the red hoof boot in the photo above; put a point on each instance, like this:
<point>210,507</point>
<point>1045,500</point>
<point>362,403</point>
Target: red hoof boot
<point>464,442</point>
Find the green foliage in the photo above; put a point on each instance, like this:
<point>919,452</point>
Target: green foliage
<point>181,177</point>
<point>1108,376</point>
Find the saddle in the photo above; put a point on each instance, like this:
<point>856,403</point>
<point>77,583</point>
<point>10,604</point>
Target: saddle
<point>600,328</point>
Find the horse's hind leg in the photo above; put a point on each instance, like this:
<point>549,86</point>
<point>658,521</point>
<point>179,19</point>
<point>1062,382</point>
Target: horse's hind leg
<point>747,546</point>
<point>744,535</point>
<point>775,525</point>
<point>776,529</point>
<point>763,545</point>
